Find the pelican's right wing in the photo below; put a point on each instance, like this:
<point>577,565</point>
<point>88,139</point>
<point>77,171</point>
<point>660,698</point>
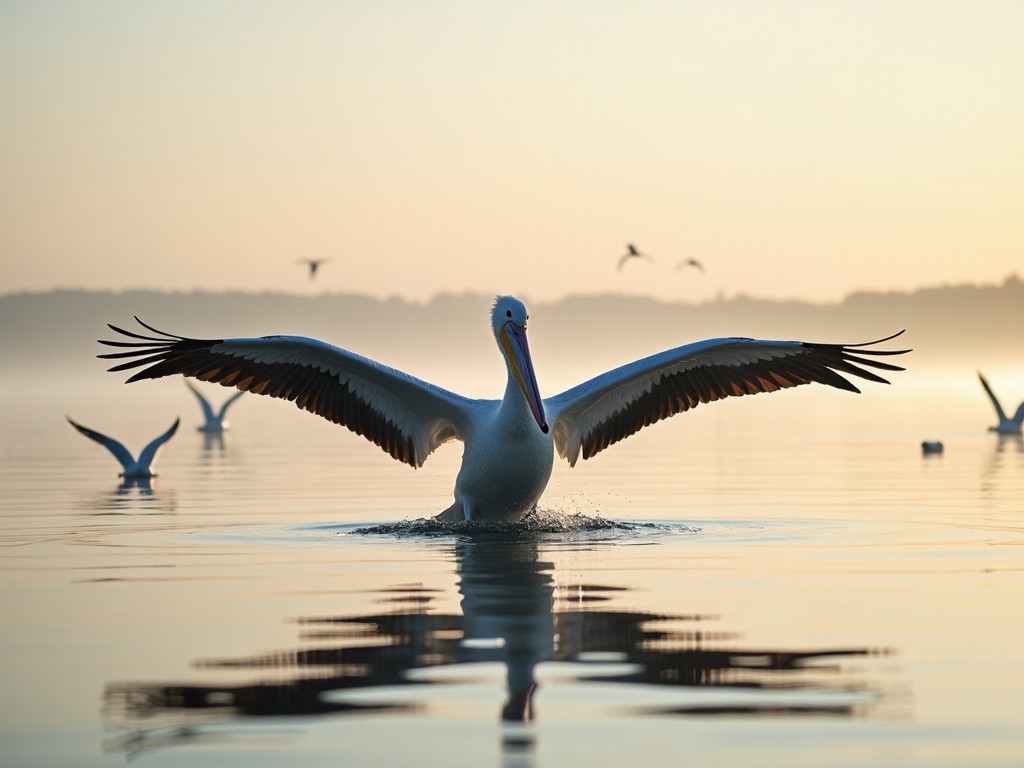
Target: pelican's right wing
<point>120,452</point>
<point>592,416</point>
<point>408,418</point>
<point>995,400</point>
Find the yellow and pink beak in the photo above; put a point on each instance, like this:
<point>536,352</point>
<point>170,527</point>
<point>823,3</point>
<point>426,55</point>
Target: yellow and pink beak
<point>517,351</point>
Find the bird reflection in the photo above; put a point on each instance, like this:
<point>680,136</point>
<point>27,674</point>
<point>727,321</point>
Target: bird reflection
<point>512,612</point>
<point>213,443</point>
<point>1010,444</point>
<point>132,495</point>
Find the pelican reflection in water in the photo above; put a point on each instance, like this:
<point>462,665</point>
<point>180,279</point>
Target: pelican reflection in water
<point>509,443</point>
<point>515,613</point>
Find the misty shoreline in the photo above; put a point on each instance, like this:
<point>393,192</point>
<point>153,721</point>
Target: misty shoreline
<point>972,325</point>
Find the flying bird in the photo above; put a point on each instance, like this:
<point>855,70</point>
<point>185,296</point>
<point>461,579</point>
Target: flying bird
<point>509,443</point>
<point>213,422</point>
<point>633,253</point>
<point>690,263</point>
<point>132,468</point>
<point>313,264</point>
<point>1011,426</point>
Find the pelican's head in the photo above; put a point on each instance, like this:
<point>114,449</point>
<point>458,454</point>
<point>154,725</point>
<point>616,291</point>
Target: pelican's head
<point>508,321</point>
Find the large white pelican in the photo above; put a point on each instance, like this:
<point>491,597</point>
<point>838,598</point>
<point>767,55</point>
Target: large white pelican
<point>1006,426</point>
<point>213,421</point>
<point>132,469</point>
<point>509,443</point>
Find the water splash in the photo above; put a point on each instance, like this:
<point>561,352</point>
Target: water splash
<point>534,523</point>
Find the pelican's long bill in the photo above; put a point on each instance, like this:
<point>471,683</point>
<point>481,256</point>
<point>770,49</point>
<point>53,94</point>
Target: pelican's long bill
<point>513,339</point>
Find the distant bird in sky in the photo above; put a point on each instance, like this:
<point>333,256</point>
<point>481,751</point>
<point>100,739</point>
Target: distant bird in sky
<point>313,264</point>
<point>132,468</point>
<point>690,263</point>
<point>213,422</point>
<point>633,253</point>
<point>509,443</point>
<point>1011,426</point>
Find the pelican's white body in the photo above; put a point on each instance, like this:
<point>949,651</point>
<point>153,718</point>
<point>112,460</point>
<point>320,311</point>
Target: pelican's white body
<point>506,464</point>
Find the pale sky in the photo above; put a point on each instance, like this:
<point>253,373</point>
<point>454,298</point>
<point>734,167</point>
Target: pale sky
<point>798,149</point>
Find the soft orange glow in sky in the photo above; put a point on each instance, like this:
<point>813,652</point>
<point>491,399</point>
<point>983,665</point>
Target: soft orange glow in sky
<point>798,149</point>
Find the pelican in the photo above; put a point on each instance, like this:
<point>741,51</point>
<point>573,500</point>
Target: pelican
<point>633,253</point>
<point>1005,426</point>
<point>313,264</point>
<point>133,470</point>
<point>509,443</point>
<point>213,422</point>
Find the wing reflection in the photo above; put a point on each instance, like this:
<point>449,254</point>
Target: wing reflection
<point>213,443</point>
<point>512,612</point>
<point>131,495</point>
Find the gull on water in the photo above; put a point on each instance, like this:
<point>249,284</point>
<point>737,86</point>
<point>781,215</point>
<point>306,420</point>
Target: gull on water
<point>509,443</point>
<point>1006,426</point>
<point>213,421</point>
<point>131,468</point>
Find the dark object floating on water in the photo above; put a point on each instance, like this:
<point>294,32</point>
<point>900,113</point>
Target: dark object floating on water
<point>931,447</point>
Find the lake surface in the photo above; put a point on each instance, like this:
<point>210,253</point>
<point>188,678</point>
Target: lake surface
<point>777,580</point>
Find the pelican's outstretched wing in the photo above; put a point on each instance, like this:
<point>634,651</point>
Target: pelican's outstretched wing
<point>614,405</point>
<point>121,453</point>
<point>995,400</point>
<point>208,416</point>
<point>148,454</point>
<point>408,418</point>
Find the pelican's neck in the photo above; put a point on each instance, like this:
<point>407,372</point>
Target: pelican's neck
<point>514,407</point>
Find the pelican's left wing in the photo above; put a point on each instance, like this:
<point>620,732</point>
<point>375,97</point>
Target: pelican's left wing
<point>590,417</point>
<point>148,454</point>
<point>406,417</point>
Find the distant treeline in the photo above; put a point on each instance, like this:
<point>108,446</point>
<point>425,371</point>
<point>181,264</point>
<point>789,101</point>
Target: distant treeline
<point>967,325</point>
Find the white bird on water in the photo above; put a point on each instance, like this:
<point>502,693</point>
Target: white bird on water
<point>213,421</point>
<point>132,469</point>
<point>509,443</point>
<point>1006,426</point>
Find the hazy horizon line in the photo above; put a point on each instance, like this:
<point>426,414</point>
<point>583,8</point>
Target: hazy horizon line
<point>722,297</point>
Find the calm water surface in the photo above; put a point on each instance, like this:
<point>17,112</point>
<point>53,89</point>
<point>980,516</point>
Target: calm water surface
<point>780,580</point>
